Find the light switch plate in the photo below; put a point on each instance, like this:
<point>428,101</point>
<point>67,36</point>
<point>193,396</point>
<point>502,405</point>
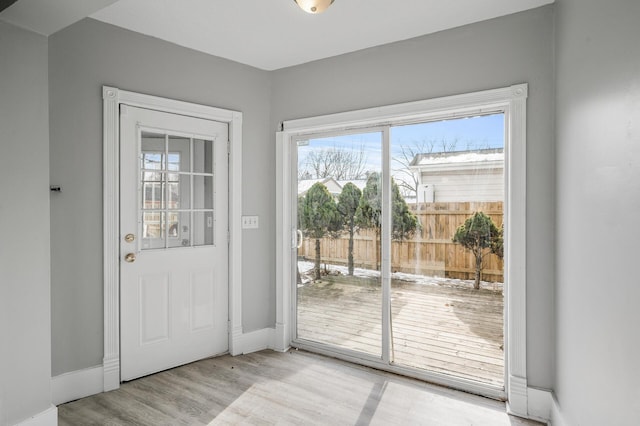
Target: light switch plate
<point>250,222</point>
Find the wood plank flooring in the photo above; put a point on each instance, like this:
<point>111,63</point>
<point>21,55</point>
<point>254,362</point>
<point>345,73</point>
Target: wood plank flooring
<point>451,330</point>
<point>294,388</point>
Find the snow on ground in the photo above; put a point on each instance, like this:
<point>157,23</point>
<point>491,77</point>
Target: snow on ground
<point>306,272</point>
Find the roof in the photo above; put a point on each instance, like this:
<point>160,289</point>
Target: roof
<point>332,185</point>
<point>458,157</point>
<point>360,183</point>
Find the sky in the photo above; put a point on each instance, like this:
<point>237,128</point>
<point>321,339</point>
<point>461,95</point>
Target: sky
<point>449,135</point>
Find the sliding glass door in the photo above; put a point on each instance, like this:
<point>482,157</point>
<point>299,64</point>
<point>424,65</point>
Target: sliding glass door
<point>399,259</point>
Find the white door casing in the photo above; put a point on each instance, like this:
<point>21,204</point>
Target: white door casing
<point>173,201</point>
<point>113,98</point>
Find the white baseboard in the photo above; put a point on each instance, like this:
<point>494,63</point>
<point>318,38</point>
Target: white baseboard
<point>255,341</point>
<point>90,381</point>
<point>77,384</point>
<point>542,405</point>
<point>48,417</point>
<point>556,413</point>
<point>539,404</point>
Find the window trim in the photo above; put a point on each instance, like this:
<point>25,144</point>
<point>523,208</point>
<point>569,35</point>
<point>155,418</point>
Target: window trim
<point>509,100</point>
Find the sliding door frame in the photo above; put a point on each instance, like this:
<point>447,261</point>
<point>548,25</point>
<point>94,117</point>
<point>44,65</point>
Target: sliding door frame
<point>511,101</point>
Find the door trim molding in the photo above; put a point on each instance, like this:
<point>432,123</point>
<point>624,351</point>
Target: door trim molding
<point>512,101</point>
<point>112,98</point>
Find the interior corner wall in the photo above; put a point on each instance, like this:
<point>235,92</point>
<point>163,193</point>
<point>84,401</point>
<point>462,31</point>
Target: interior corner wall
<point>82,58</point>
<point>25,332</point>
<point>598,205</point>
<point>491,54</point>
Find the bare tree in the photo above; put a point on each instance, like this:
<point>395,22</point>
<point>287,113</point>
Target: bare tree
<point>448,145</point>
<point>336,162</point>
<point>303,174</point>
<point>405,177</point>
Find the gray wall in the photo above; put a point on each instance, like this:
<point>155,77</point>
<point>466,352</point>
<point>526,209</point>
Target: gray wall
<point>491,54</point>
<point>82,58</point>
<point>496,53</point>
<point>598,206</point>
<point>598,180</point>
<point>25,332</point>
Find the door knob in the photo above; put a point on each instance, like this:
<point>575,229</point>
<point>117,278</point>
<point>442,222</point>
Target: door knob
<point>130,257</point>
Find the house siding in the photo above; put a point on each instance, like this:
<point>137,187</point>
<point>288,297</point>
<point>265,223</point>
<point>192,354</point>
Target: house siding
<point>458,186</point>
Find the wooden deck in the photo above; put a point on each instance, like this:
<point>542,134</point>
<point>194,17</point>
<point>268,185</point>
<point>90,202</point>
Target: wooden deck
<point>451,330</point>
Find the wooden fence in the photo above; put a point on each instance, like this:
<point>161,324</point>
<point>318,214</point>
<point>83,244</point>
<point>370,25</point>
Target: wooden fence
<point>429,252</point>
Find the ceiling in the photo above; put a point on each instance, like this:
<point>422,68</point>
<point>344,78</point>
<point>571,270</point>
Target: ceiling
<point>267,34</point>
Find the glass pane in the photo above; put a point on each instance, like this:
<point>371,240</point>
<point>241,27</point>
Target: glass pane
<point>179,229</point>
<point>203,228</point>
<point>179,158</point>
<point>446,283</point>
<point>203,192</point>
<point>153,149</point>
<point>153,190</point>
<point>339,296</point>
<point>179,193</point>
<point>153,230</point>
<point>202,156</point>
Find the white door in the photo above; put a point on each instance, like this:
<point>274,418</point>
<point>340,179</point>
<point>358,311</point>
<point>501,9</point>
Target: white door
<point>173,241</point>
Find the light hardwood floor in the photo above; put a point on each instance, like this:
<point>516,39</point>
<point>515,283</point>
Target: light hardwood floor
<point>294,388</point>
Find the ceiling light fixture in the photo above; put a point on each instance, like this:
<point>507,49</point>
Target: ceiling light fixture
<point>314,6</point>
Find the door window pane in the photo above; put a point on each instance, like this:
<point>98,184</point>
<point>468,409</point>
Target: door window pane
<point>179,229</point>
<point>179,192</point>
<point>177,179</point>
<point>203,228</point>
<point>202,156</point>
<point>153,227</point>
<point>203,192</point>
<point>153,190</point>
<point>153,149</point>
<point>179,157</point>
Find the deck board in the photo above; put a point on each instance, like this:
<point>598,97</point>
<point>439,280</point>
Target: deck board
<point>446,329</point>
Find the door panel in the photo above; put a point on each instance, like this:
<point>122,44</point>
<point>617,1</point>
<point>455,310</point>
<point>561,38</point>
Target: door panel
<point>202,300</point>
<point>339,301</point>
<point>174,272</point>
<point>154,308</point>
<point>439,321</point>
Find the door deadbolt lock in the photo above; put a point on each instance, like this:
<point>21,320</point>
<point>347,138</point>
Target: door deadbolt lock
<point>130,257</point>
<point>129,238</point>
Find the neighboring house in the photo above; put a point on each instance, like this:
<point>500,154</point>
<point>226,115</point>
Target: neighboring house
<point>360,183</point>
<point>332,185</point>
<point>460,176</point>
